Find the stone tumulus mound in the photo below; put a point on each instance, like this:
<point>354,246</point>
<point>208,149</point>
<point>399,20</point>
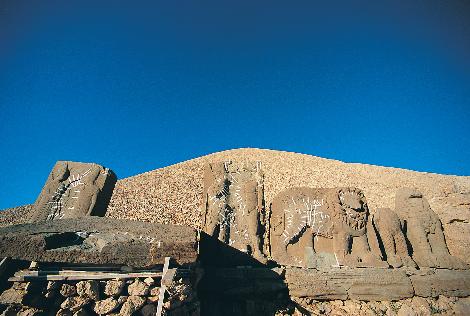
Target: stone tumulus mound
<point>74,189</point>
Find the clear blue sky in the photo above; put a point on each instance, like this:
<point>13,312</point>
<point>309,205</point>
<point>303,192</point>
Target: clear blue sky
<point>142,85</point>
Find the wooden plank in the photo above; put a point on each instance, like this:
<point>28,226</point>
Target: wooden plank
<point>162,287</point>
<point>76,277</point>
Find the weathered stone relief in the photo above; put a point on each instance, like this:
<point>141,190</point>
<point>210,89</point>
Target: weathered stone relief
<point>233,205</point>
<point>390,232</point>
<point>318,228</point>
<point>424,231</point>
<point>74,189</point>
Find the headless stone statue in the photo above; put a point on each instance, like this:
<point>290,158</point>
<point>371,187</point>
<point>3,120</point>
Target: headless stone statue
<point>74,189</point>
<point>390,231</point>
<point>232,205</point>
<point>424,231</point>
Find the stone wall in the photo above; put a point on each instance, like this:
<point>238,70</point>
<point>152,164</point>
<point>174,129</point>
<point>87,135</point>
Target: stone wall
<point>91,297</point>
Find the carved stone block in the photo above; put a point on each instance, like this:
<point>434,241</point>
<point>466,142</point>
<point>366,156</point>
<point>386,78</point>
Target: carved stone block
<point>424,231</point>
<point>320,228</point>
<point>233,205</point>
<point>74,189</point>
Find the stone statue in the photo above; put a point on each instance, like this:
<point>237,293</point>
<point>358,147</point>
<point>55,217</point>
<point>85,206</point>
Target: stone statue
<point>424,231</point>
<point>316,215</point>
<point>74,189</point>
<point>215,206</point>
<point>233,205</point>
<point>390,232</point>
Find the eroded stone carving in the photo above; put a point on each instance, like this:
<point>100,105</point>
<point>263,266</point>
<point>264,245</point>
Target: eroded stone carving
<point>307,223</point>
<point>233,204</point>
<point>74,189</point>
<point>390,231</point>
<point>424,231</point>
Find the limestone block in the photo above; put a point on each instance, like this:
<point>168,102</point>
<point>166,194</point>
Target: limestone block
<point>132,305</point>
<point>74,189</point>
<point>361,284</point>
<point>138,288</point>
<point>114,287</point>
<point>74,303</point>
<point>432,283</point>
<point>105,306</point>
<point>89,289</point>
<point>68,290</point>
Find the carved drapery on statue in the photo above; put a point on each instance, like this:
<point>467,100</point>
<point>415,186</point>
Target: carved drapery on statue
<point>233,205</point>
<point>74,189</point>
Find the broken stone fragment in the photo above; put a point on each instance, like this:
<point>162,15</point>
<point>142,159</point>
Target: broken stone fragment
<point>114,287</point>
<point>132,305</point>
<point>68,290</point>
<point>154,291</point>
<point>138,288</point>
<point>105,306</point>
<point>88,289</point>
<point>122,299</point>
<point>12,296</point>
<point>149,281</point>
<point>74,303</point>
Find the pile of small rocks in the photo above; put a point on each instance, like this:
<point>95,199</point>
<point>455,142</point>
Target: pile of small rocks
<point>91,297</point>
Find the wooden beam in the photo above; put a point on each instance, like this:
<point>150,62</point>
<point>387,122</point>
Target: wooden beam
<point>162,288</point>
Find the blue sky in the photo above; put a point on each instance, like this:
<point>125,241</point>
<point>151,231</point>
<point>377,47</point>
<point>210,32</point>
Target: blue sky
<point>139,85</point>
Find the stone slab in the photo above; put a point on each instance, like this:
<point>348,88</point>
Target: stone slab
<point>368,284</point>
<point>98,240</point>
<point>433,283</point>
<point>74,189</point>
